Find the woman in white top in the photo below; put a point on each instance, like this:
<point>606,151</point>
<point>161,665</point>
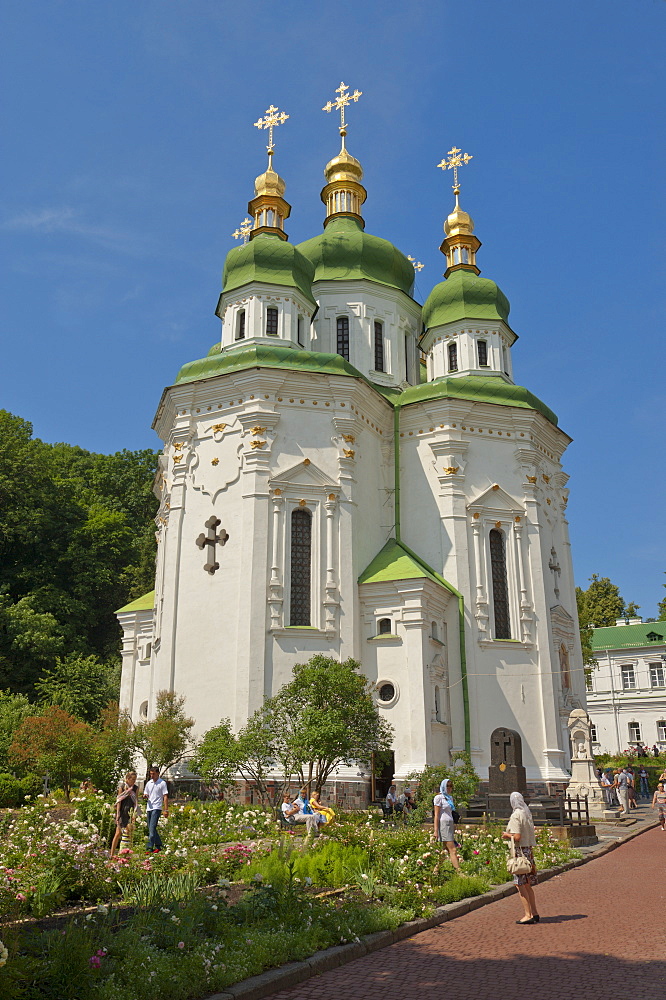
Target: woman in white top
<point>443,821</point>
<point>520,829</point>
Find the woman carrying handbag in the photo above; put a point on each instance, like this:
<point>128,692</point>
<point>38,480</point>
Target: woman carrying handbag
<point>520,832</point>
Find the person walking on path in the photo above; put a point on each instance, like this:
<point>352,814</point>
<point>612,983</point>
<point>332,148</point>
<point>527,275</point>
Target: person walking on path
<point>631,788</point>
<point>158,802</point>
<point>621,786</point>
<point>127,807</point>
<point>659,802</point>
<point>443,821</point>
<point>520,829</point>
<point>644,783</point>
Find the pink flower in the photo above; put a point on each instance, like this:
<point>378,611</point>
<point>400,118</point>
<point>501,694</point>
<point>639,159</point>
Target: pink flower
<point>475,852</point>
<point>95,961</point>
<point>21,896</point>
<point>181,944</point>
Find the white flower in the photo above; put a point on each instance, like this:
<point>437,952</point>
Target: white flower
<point>4,955</point>
<point>101,908</point>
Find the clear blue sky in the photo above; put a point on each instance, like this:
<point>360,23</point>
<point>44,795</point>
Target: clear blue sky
<point>129,156</point>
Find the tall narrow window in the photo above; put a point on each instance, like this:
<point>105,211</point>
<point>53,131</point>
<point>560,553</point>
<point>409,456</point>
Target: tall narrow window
<point>240,327</point>
<point>482,347</point>
<point>271,322</point>
<point>438,707</point>
<point>343,337</point>
<point>593,733</point>
<point>407,365</point>
<point>299,330</point>
<point>500,586</point>
<point>301,546</point>
<point>634,732</point>
<point>453,357</point>
<point>379,347</point>
<point>628,677</point>
<point>661,730</point>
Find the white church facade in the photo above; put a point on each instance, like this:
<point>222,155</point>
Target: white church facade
<point>322,490</point>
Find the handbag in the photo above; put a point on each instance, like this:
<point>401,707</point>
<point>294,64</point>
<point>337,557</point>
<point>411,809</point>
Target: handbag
<point>456,815</point>
<point>517,864</point>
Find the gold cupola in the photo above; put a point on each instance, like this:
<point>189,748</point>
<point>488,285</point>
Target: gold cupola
<point>268,208</point>
<point>460,244</point>
<point>343,193</point>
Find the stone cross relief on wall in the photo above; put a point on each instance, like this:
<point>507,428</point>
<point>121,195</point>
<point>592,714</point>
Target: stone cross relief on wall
<point>210,540</point>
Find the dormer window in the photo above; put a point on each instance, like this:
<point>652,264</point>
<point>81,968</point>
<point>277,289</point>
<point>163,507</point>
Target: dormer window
<point>271,322</point>
<point>453,357</point>
<point>240,325</point>
<point>342,329</point>
<point>379,347</point>
<point>482,348</point>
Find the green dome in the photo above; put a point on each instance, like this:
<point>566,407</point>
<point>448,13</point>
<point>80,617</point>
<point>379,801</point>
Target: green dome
<point>464,295</point>
<point>490,388</point>
<point>345,251</point>
<point>269,259</point>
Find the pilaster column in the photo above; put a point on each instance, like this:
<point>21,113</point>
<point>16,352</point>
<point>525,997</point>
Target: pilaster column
<point>481,612</point>
<point>525,604</point>
<point>331,600</point>
<point>275,588</point>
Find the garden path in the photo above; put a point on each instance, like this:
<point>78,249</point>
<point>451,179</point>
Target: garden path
<point>601,935</point>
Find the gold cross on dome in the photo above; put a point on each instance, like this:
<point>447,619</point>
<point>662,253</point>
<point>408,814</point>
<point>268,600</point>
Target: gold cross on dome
<point>416,264</point>
<point>243,231</point>
<point>341,102</point>
<point>455,160</point>
<point>274,117</point>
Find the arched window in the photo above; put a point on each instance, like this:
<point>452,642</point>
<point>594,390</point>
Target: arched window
<point>301,546</point>
<point>500,585</point>
<point>143,710</point>
<point>453,357</point>
<point>379,347</point>
<point>384,626</point>
<point>482,347</point>
<point>271,322</point>
<point>240,326</point>
<point>299,330</point>
<point>343,337</point>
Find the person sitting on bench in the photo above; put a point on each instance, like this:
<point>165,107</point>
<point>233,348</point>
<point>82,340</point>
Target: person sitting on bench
<point>293,813</point>
<point>392,804</point>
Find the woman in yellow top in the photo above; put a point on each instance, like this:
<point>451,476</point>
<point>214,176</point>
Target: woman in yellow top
<point>325,811</point>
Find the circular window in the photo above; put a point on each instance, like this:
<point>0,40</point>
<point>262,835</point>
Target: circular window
<point>386,692</point>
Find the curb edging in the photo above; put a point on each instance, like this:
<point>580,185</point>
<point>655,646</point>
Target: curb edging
<point>272,981</point>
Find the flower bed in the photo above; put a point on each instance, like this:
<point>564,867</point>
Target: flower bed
<point>299,896</point>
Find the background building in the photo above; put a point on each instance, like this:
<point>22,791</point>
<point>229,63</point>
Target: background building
<point>351,473</point>
<point>626,692</point>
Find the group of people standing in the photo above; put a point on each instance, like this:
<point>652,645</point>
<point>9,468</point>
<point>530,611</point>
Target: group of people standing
<point>520,830</point>
<point>623,786</point>
<point>128,810</point>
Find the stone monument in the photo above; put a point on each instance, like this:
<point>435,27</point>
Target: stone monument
<point>506,773</point>
<point>584,781</point>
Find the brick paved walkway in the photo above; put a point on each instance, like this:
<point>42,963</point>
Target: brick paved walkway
<point>602,936</point>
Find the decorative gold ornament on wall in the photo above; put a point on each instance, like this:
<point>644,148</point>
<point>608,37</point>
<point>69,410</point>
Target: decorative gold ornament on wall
<point>258,430</point>
<point>348,452</point>
<point>451,470</point>
<point>257,444</point>
<point>349,438</point>
<point>531,479</point>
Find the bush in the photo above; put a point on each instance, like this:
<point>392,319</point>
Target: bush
<point>14,790</point>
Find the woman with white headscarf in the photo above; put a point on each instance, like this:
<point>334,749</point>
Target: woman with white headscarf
<point>443,820</point>
<point>520,829</point>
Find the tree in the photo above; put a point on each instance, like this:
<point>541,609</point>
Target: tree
<point>600,605</point>
<point>55,742</point>
<point>167,738</point>
<point>661,608</point>
<point>113,747</point>
<point>329,718</point>
<point>259,755</point>
<point>460,770</point>
<point>30,640</point>
<point>81,685</point>
<point>14,708</point>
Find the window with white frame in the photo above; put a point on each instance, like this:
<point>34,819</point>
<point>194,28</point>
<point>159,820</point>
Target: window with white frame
<point>342,336</point>
<point>384,626</point>
<point>453,357</point>
<point>240,325</point>
<point>628,677</point>
<point>593,733</point>
<point>379,346</point>
<point>661,730</point>
<point>657,675</point>
<point>271,322</point>
<point>301,558</point>
<point>482,347</point>
<point>635,732</point>
<point>499,584</point>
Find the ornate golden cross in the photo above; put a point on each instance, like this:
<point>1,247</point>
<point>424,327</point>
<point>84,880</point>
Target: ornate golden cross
<point>341,102</point>
<point>454,161</point>
<point>274,117</point>
<point>416,264</point>
<point>243,230</point>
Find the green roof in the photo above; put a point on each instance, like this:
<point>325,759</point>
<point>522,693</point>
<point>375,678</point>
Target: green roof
<point>394,562</point>
<point>269,356</point>
<point>145,603</point>
<point>628,636</point>
<point>344,251</point>
<point>271,260</point>
<point>490,388</point>
<point>465,295</point>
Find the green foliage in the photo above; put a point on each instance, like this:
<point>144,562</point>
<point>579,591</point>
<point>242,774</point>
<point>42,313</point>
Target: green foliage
<point>168,736</point>
<point>14,708</point>
<point>13,790</point>
<point>81,685</point>
<point>76,543</point>
<point>598,606</point>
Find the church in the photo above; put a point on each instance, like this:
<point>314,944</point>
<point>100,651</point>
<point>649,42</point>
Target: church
<point>352,473</point>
